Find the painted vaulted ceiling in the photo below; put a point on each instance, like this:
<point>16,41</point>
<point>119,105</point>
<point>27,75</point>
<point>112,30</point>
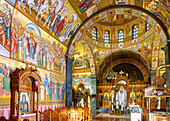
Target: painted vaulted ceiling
<point>74,20</point>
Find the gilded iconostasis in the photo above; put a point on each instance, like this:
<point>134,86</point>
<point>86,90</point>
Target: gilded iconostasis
<point>37,33</point>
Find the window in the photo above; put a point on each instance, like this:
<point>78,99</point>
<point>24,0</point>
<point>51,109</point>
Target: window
<point>94,33</point>
<point>120,35</point>
<point>134,31</point>
<point>146,26</point>
<point>107,36</point>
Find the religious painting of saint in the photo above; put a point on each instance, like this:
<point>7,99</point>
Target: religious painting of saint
<point>24,103</point>
<point>106,97</point>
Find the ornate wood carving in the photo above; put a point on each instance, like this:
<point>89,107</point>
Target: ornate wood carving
<point>28,81</point>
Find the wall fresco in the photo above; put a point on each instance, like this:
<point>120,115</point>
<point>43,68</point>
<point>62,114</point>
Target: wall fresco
<point>5,28</point>
<point>52,87</point>
<point>56,17</point>
<point>31,44</point>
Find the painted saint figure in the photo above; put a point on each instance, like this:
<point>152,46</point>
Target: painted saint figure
<point>31,45</point>
<point>14,43</point>
<point>24,104</point>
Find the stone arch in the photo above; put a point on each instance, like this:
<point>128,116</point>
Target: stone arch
<point>134,62</point>
<point>127,53</point>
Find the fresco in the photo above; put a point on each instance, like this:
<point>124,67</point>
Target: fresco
<point>86,8</point>
<point>161,8</point>
<point>52,87</point>
<point>55,16</point>
<point>84,79</point>
<point>12,2</point>
<point>5,28</point>
<point>31,44</point>
<point>82,58</point>
<point>6,66</point>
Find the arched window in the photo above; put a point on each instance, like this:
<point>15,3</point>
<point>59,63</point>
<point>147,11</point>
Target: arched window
<point>146,26</point>
<point>94,33</point>
<point>106,36</point>
<point>120,35</point>
<point>134,31</point>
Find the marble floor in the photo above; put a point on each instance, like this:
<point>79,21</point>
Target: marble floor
<point>107,117</point>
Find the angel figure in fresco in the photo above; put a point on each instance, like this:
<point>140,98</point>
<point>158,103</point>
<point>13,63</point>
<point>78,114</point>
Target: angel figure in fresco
<point>31,45</point>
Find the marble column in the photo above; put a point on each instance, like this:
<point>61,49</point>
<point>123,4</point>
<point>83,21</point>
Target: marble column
<point>69,63</point>
<point>167,61</point>
<point>93,92</point>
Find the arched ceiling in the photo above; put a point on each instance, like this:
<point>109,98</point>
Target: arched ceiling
<point>148,43</point>
<point>122,54</point>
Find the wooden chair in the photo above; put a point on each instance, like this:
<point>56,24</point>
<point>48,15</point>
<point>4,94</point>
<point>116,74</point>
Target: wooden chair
<point>55,114</point>
<point>63,116</point>
<point>26,119</point>
<point>2,118</point>
<point>46,115</point>
<point>160,118</point>
<point>80,114</point>
<point>86,113</point>
<point>13,118</point>
<point>72,114</point>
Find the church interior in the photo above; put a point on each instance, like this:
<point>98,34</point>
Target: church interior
<point>84,60</point>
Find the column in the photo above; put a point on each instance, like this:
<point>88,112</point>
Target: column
<point>93,92</point>
<point>153,75</point>
<point>167,61</point>
<point>68,81</point>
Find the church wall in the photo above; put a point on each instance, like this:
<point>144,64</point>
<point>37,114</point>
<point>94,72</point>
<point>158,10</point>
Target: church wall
<point>48,14</point>
<point>23,42</point>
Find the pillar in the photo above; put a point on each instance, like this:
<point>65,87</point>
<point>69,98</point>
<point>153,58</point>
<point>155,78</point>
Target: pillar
<point>68,81</point>
<point>167,61</point>
<point>153,75</point>
<point>93,92</point>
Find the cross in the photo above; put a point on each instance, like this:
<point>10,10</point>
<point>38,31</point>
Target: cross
<point>121,72</point>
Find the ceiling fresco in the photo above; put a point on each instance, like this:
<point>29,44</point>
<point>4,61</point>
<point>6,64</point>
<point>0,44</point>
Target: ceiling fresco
<point>147,43</point>
<point>62,19</point>
<point>56,17</point>
<point>85,8</point>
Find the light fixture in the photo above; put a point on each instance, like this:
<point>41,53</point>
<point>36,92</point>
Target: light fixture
<point>111,73</point>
